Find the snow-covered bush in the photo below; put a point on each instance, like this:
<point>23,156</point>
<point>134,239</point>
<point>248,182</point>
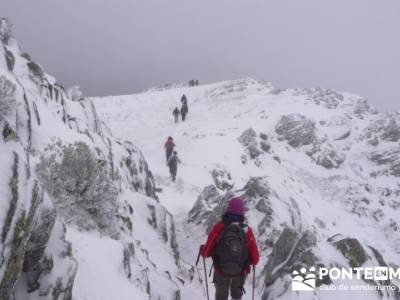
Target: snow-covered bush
<point>80,186</point>
<point>75,93</point>
<point>5,30</point>
<point>7,97</point>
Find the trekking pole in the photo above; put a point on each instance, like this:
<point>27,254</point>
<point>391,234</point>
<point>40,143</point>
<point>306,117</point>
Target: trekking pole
<point>205,268</point>
<point>254,280</point>
<point>198,256</point>
<point>212,266</point>
<point>205,277</point>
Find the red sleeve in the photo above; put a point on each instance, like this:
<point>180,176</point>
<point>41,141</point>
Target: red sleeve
<point>252,247</point>
<point>212,239</point>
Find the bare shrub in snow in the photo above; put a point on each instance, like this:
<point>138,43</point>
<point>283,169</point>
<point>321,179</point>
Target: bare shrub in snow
<point>75,93</point>
<point>80,186</point>
<point>7,97</point>
<point>5,30</point>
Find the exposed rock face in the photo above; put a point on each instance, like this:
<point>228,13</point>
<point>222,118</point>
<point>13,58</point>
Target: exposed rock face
<point>17,225</point>
<point>326,156</point>
<point>352,250</point>
<point>362,108</point>
<point>7,98</point>
<point>249,136</point>
<point>391,131</point>
<point>265,146</point>
<point>76,178</point>
<point>208,207</point>
<point>344,136</point>
<point>249,140</point>
<point>222,178</point>
<point>386,129</point>
<point>326,97</point>
<point>10,60</point>
<point>389,158</point>
<point>37,245</point>
<point>296,129</point>
<point>237,88</point>
<point>42,260</point>
<point>292,251</point>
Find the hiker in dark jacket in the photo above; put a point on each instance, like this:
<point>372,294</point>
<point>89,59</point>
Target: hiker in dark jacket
<point>183,99</point>
<point>172,163</point>
<point>233,219</point>
<point>184,111</point>
<point>176,114</point>
<point>169,147</point>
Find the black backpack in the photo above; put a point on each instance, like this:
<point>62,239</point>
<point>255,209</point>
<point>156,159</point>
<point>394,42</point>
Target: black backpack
<point>231,255</point>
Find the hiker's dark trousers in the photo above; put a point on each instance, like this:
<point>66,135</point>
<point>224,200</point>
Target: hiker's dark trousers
<point>168,154</point>
<point>172,171</point>
<point>225,284</point>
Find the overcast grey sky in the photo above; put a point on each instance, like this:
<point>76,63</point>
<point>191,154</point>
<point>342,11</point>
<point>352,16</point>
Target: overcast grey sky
<point>124,46</point>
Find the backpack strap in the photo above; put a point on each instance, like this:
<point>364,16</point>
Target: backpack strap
<point>244,227</point>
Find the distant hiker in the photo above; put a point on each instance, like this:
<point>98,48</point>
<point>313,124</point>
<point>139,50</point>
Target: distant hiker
<point>176,114</point>
<point>191,82</point>
<point>184,111</point>
<point>184,107</point>
<point>196,82</point>
<point>172,163</point>
<point>169,147</point>
<point>234,250</point>
<point>183,99</point>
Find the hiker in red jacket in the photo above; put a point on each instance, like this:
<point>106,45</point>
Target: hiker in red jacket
<point>169,147</point>
<point>234,250</point>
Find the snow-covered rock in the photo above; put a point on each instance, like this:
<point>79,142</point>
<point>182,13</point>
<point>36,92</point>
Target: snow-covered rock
<point>65,180</point>
<point>296,129</point>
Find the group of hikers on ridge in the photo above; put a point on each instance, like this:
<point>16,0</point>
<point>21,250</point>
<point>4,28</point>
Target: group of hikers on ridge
<point>183,111</point>
<point>231,243</point>
<point>233,248</point>
<point>193,82</point>
<point>171,155</point>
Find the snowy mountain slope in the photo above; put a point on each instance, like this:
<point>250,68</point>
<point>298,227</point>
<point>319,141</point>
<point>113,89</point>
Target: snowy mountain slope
<point>317,168</point>
<point>79,217</point>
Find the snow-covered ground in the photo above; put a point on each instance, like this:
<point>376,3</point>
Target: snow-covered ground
<point>311,194</point>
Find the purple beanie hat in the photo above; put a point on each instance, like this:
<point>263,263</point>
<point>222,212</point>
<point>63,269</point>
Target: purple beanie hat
<point>236,206</point>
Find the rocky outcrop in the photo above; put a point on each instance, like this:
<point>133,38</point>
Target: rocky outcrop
<point>296,129</point>
<point>43,262</point>
<point>391,131</point>
<point>383,129</point>
<point>17,237</point>
<point>83,172</point>
<point>222,178</point>
<point>390,159</point>
<point>351,249</point>
<point>326,97</point>
<point>208,207</point>
<point>236,87</point>
<point>292,251</point>
<point>249,140</point>
<point>10,58</point>
<point>326,156</point>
